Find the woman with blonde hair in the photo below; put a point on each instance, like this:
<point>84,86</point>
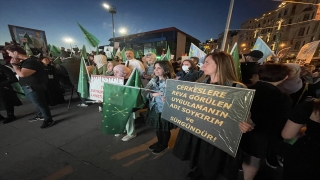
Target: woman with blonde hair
<point>151,58</point>
<point>206,160</point>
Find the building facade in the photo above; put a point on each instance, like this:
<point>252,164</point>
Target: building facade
<point>232,38</point>
<point>178,41</point>
<point>290,25</point>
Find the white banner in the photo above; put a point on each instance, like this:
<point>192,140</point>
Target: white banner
<point>97,83</point>
<point>306,52</point>
<point>108,50</point>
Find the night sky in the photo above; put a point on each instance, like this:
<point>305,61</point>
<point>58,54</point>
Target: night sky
<point>202,19</point>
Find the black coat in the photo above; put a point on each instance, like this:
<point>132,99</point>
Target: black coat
<point>7,95</point>
<point>191,76</point>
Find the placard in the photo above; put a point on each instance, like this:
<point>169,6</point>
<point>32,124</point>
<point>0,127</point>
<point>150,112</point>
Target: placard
<point>37,38</point>
<point>210,112</point>
<point>97,83</point>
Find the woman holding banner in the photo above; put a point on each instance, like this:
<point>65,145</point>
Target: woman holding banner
<point>206,160</point>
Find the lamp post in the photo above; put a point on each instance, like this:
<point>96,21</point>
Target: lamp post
<point>112,10</point>
<point>123,31</point>
<point>226,31</point>
<point>69,40</point>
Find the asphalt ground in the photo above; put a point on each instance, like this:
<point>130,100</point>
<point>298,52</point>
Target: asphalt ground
<point>76,149</point>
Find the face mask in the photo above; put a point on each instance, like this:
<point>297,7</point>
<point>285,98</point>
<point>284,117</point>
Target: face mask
<point>185,68</point>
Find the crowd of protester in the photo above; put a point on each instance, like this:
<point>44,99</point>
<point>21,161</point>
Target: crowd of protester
<point>285,106</point>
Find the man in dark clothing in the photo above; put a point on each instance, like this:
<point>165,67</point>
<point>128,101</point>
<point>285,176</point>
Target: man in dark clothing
<point>250,66</point>
<point>8,98</point>
<point>33,81</point>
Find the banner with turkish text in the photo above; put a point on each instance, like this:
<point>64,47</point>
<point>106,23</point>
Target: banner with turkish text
<point>210,112</point>
<point>97,84</point>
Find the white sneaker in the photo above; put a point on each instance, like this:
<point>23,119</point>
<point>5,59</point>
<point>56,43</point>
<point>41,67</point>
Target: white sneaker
<point>82,105</point>
<point>91,102</point>
<point>117,135</point>
<point>128,137</point>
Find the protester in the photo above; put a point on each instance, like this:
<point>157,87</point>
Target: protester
<point>196,61</point>
<point>144,62</point>
<point>8,97</point>
<point>250,67</point>
<point>90,61</point>
<point>206,160</point>
<point>32,79</point>
<point>176,65</point>
<point>101,63</point>
<point>188,71</point>
<point>110,66</point>
<point>54,93</point>
<point>150,59</point>
<point>162,70</point>
<point>133,63</point>
<point>269,110</point>
<point>293,83</point>
<point>119,72</point>
<point>302,160</point>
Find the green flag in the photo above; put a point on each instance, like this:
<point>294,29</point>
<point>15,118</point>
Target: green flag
<point>55,51</point>
<point>49,46</point>
<point>57,61</point>
<point>29,40</point>
<point>117,107</point>
<point>91,39</point>
<point>154,51</point>
<point>137,55</point>
<point>84,52</point>
<point>97,51</point>
<point>28,50</point>
<point>135,81</point>
<point>168,55</point>
<point>235,54</point>
<point>18,89</point>
<point>123,54</point>
<point>83,86</point>
<point>95,71</point>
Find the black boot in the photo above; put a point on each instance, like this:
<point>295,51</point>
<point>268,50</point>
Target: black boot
<point>10,118</point>
<point>1,117</point>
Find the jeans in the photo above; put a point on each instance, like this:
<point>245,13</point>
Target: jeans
<point>37,95</point>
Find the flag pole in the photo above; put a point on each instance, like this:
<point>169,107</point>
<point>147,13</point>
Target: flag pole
<point>226,31</point>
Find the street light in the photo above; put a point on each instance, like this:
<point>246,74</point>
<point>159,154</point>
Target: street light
<point>69,40</point>
<point>123,31</point>
<point>112,10</point>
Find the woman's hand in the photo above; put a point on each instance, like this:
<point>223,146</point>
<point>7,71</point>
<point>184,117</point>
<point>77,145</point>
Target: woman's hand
<point>245,127</point>
<point>156,94</point>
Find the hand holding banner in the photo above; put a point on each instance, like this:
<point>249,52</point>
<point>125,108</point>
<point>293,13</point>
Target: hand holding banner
<point>210,112</point>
